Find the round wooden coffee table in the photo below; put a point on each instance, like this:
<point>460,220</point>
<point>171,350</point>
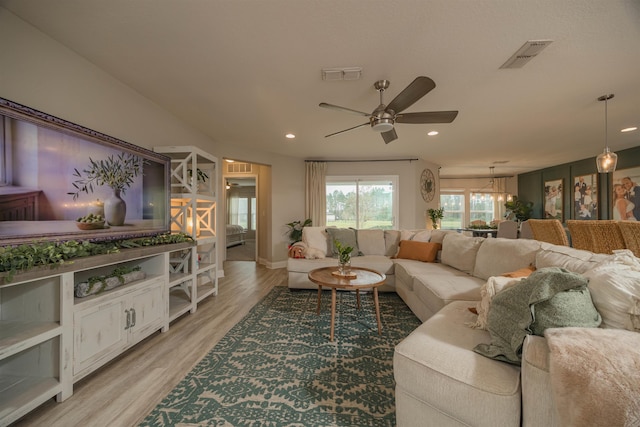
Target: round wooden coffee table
<point>366,278</point>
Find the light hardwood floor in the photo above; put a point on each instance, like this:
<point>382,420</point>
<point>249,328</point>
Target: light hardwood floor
<point>124,391</point>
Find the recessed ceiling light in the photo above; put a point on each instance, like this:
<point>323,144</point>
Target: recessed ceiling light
<point>432,133</point>
<point>629,129</point>
<point>229,160</point>
<point>290,136</point>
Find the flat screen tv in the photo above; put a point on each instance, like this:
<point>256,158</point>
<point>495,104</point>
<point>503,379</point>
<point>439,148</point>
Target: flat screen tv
<point>60,181</point>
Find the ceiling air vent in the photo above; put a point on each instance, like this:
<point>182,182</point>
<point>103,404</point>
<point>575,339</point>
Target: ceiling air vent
<point>333,74</point>
<point>528,51</point>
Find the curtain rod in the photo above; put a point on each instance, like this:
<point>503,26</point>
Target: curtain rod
<point>358,161</point>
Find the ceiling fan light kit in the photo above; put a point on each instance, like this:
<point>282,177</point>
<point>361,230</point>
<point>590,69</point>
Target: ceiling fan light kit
<point>607,160</point>
<point>384,118</point>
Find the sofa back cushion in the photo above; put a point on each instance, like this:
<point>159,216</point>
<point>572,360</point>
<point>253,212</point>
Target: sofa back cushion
<point>459,251</point>
<point>391,242</point>
<point>371,242</point>
<point>437,236</point>
<point>346,237</point>
<point>317,238</point>
<point>574,260</point>
<point>498,256</point>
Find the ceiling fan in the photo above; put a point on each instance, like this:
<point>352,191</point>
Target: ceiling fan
<point>384,117</point>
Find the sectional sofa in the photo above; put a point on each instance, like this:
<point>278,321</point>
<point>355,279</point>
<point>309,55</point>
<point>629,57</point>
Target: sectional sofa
<point>440,379</point>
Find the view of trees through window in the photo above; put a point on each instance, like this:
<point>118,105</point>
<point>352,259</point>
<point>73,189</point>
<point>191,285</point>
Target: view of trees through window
<point>481,206</point>
<point>361,202</point>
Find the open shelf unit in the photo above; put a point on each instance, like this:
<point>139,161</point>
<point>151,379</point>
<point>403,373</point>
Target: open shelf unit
<point>50,339</point>
<point>193,272</point>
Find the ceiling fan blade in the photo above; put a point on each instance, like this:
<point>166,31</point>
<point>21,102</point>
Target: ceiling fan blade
<point>427,117</point>
<point>389,136</point>
<point>416,90</point>
<point>347,130</point>
<point>348,110</point>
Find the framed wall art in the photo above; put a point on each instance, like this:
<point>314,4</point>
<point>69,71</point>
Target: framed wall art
<point>585,197</point>
<point>625,194</point>
<point>553,208</point>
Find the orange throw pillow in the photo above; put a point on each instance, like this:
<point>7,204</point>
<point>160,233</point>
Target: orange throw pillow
<point>522,272</point>
<point>419,251</point>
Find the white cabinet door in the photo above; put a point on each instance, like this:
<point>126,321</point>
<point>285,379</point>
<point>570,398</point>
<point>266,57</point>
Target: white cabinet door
<point>100,332</point>
<point>147,307</point>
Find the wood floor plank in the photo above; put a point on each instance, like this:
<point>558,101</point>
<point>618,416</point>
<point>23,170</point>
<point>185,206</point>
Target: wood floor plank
<point>124,391</point>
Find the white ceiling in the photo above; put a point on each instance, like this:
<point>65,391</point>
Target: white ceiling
<point>248,71</point>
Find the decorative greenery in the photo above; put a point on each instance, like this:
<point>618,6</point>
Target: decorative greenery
<point>117,173</point>
<point>295,230</point>
<point>201,175</point>
<point>482,227</point>
<point>435,215</point>
<point>118,272</point>
<point>518,209</point>
<point>344,252</point>
<point>14,259</point>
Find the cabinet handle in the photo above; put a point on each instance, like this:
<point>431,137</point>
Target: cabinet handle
<point>128,320</point>
<point>133,317</point>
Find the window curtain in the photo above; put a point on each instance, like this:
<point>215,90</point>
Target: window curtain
<point>500,186</point>
<point>232,208</point>
<point>315,193</point>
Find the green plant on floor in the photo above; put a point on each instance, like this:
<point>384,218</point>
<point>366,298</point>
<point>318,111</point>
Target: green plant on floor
<point>295,230</point>
<point>518,209</point>
<point>435,215</point>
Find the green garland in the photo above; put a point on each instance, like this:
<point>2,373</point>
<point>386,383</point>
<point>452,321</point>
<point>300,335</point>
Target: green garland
<point>14,259</point>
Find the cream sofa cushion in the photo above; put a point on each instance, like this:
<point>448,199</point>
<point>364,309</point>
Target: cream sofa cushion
<point>574,260</point>
<point>371,242</point>
<point>499,256</point>
<point>460,251</point>
<point>391,242</point>
<point>436,365</point>
<point>615,290</point>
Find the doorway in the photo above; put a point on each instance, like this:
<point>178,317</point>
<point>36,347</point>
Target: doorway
<point>241,218</point>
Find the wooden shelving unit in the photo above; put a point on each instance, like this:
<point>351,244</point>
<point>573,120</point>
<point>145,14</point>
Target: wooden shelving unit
<point>193,274</point>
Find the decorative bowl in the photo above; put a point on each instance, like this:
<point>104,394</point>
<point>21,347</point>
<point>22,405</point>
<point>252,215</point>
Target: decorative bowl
<point>90,225</point>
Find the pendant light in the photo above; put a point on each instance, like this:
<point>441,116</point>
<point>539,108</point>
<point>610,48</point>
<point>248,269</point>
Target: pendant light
<point>607,160</point>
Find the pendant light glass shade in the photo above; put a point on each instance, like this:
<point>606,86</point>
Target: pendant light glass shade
<point>607,160</point>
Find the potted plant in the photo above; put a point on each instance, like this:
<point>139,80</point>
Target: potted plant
<point>344,258</point>
<point>518,209</point>
<point>435,215</point>
<point>117,173</point>
<point>295,230</point>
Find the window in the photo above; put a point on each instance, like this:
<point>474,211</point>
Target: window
<point>242,211</point>
<point>362,202</point>
<point>453,204</point>
<point>482,207</point>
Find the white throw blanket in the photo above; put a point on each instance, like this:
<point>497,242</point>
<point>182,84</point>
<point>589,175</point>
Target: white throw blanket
<point>595,376</point>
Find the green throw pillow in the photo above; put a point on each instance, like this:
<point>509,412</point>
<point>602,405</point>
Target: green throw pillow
<point>346,237</point>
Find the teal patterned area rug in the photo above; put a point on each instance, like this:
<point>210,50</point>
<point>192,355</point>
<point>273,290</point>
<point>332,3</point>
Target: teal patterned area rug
<point>277,367</point>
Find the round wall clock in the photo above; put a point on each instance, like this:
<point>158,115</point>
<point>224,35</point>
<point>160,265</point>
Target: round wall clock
<point>427,185</point>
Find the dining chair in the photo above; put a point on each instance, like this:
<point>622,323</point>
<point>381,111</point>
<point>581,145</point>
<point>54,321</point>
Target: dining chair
<point>581,237</point>
<point>597,236</point>
<point>549,230</point>
<point>525,230</point>
<point>631,234</point>
<point>508,229</point>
